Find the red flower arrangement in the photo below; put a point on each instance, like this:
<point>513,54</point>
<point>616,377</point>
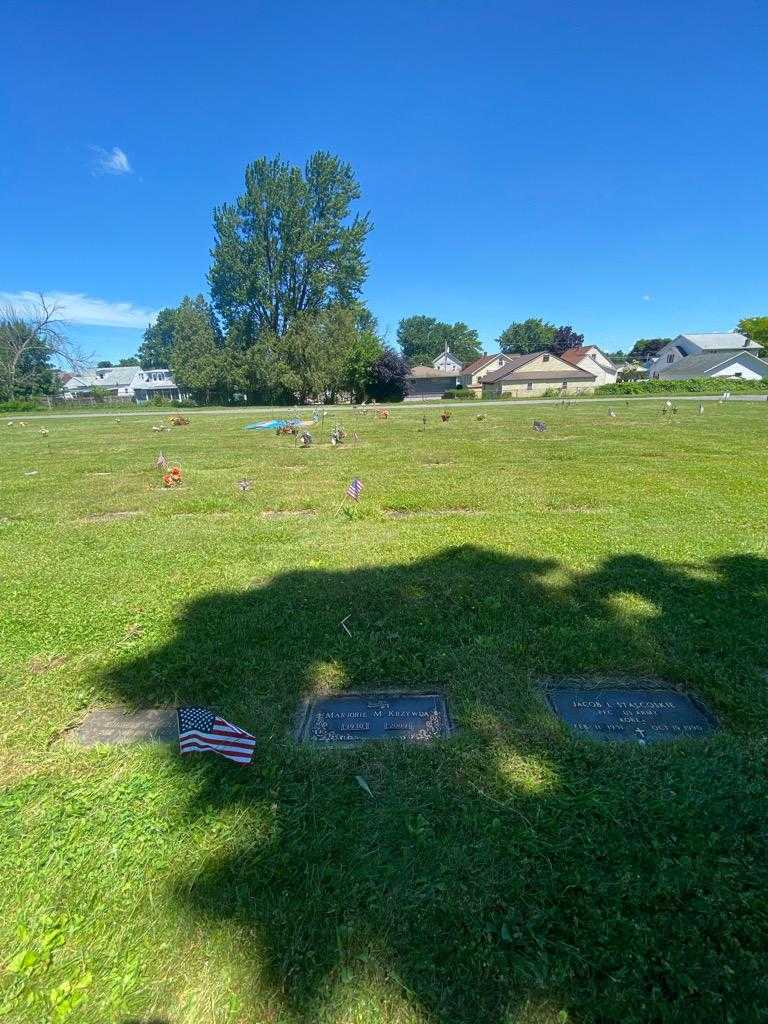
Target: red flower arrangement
<point>172,479</point>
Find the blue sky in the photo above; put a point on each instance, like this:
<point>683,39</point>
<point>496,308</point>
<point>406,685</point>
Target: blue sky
<point>592,163</point>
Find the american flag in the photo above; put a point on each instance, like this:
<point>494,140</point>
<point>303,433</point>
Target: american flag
<point>354,489</point>
<point>201,730</point>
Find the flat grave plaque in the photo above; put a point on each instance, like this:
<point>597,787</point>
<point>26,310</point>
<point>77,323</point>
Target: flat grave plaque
<point>348,719</point>
<point>639,716</point>
<point>118,726</point>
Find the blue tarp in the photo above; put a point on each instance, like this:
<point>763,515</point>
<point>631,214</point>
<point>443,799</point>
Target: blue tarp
<point>273,424</point>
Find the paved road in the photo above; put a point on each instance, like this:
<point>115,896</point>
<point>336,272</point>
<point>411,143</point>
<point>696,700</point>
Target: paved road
<point>266,412</point>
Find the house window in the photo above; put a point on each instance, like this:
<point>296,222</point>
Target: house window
<point>529,385</point>
<point>738,374</point>
<point>565,384</point>
<point>671,357</point>
<point>546,358</point>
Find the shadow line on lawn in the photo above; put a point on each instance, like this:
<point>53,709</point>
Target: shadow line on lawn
<point>513,866</point>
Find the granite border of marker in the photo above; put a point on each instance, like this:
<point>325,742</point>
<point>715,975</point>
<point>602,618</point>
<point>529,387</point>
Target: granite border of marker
<point>303,716</point>
<point>593,683</point>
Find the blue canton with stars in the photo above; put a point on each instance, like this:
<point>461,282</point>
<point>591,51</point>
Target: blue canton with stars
<point>200,719</point>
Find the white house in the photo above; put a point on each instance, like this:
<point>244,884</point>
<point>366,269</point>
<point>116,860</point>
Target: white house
<point>591,359</point>
<point>686,345</point>
<point>740,365</point>
<point>156,383</point>
<point>447,363</point>
<point>129,383</point>
<point>116,381</point>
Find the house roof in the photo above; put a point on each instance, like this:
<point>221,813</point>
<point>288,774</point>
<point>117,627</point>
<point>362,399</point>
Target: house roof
<point>478,364</point>
<point>105,377</point>
<point>429,371</point>
<point>520,361</point>
<point>573,355</point>
<point>447,354</point>
<point>699,366</point>
<point>720,342</point>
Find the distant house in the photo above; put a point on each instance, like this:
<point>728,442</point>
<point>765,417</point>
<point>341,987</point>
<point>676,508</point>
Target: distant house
<point>127,383</point>
<point>472,374</point>
<point>113,381</point>
<point>446,362</point>
<point>740,365</point>
<point>156,383</point>
<point>424,382</point>
<point>591,359</point>
<point>686,345</point>
<point>532,374</point>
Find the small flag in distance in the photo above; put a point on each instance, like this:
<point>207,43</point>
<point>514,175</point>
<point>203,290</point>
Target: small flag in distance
<point>200,730</point>
<point>355,488</point>
<point>539,426</point>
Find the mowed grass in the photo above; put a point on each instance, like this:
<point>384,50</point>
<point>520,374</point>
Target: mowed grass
<point>514,873</point>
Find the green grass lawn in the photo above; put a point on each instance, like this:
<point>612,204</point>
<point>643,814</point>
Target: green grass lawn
<point>513,873</point>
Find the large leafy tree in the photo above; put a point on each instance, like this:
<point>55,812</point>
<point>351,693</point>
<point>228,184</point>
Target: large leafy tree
<point>645,348</point>
<point>565,338</point>
<point>755,328</point>
<point>287,246</point>
<point>155,349</point>
<point>532,335</point>
<point>198,358</point>
<point>422,339</point>
<point>321,355</point>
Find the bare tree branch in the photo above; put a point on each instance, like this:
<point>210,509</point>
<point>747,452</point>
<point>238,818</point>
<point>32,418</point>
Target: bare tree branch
<point>34,334</point>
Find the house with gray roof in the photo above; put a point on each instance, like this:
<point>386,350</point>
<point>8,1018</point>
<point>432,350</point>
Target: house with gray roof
<point>126,383</point>
<point>740,365</point>
<point>686,345</point>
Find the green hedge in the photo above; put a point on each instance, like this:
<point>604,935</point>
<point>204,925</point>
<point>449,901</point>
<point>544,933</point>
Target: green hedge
<point>695,386</point>
<point>463,394</point>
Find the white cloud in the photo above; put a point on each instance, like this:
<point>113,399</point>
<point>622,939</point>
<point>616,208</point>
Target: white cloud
<point>76,308</point>
<point>111,161</point>
<point>647,298</point>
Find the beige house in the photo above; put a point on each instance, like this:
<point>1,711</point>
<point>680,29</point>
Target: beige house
<point>525,376</point>
<point>472,374</point>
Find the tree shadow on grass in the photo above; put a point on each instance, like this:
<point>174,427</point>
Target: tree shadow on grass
<point>514,870</point>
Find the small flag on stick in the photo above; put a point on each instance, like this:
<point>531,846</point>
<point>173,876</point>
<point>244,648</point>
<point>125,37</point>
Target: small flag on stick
<point>201,730</point>
<point>354,489</point>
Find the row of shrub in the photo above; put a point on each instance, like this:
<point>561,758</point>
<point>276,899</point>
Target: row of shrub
<point>462,394</point>
<point>695,386</point>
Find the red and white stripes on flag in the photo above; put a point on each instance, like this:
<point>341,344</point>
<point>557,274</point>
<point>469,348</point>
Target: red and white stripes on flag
<point>202,730</point>
<point>354,489</point>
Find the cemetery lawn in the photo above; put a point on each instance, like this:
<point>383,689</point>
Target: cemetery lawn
<point>514,874</point>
